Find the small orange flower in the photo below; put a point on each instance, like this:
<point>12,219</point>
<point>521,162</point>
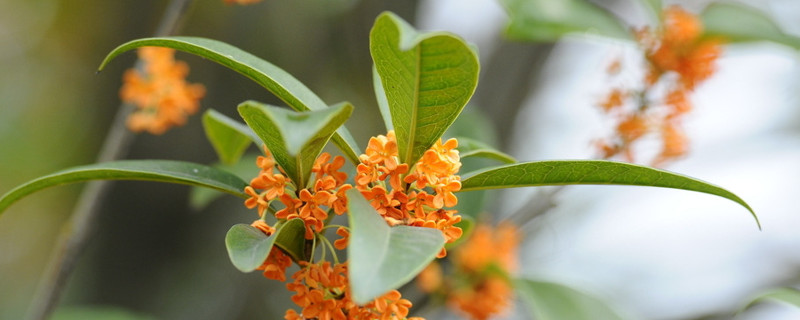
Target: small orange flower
<point>160,93</point>
<point>322,291</point>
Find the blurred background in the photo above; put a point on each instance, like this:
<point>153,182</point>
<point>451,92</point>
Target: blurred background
<point>653,254</point>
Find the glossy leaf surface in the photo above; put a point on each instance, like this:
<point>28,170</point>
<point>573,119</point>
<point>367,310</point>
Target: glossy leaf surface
<point>283,85</point>
<point>548,21</point>
<point>383,258</point>
<point>245,168</point>
<point>150,170</point>
<point>552,301</point>
<point>596,172</point>
<point>295,139</point>
<point>228,137</point>
<point>427,78</point>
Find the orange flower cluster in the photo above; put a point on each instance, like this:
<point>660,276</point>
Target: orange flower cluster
<point>242,2</point>
<point>322,291</point>
<point>312,205</point>
<point>160,92</point>
<point>405,201</point>
<point>487,258</point>
<point>679,58</point>
<point>479,286</point>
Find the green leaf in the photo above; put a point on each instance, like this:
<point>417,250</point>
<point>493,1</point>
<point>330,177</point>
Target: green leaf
<point>563,172</point>
<point>248,247</point>
<point>473,148</point>
<point>97,313</point>
<point>276,80</point>
<point>654,7</point>
<point>547,300</point>
<point>428,79</point>
<point>151,170</point>
<point>228,137</point>
<point>740,23</point>
<point>785,295</point>
<point>245,168</point>
<point>292,240</point>
<point>294,138</point>
<point>383,258</point>
<point>548,21</point>
<point>383,102</point>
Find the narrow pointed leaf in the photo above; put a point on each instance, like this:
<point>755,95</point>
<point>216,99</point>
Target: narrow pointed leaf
<point>248,247</point>
<point>473,148</point>
<point>283,85</point>
<point>229,137</point>
<point>552,301</point>
<point>245,168</point>
<point>548,21</point>
<point>151,170</point>
<point>294,138</point>
<point>427,78</point>
<point>383,258</point>
<point>597,172</point>
<point>740,23</point>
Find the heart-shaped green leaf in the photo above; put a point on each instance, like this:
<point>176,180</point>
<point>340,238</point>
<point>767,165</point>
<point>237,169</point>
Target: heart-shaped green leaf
<point>736,22</point>
<point>598,172</point>
<point>151,170</point>
<point>294,138</point>
<point>548,21</point>
<point>229,137</point>
<point>248,247</point>
<point>276,80</point>
<point>547,300</point>
<point>473,148</point>
<point>427,79</point>
<point>382,258</point>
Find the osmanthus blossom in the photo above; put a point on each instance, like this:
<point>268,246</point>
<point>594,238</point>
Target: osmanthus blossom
<point>162,97</point>
<point>478,285</point>
<point>416,196</point>
<point>678,58</point>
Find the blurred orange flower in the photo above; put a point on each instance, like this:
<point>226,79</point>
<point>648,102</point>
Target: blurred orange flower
<point>159,91</point>
<point>677,48</point>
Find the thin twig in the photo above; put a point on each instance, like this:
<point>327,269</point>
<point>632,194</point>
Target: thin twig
<point>76,233</point>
